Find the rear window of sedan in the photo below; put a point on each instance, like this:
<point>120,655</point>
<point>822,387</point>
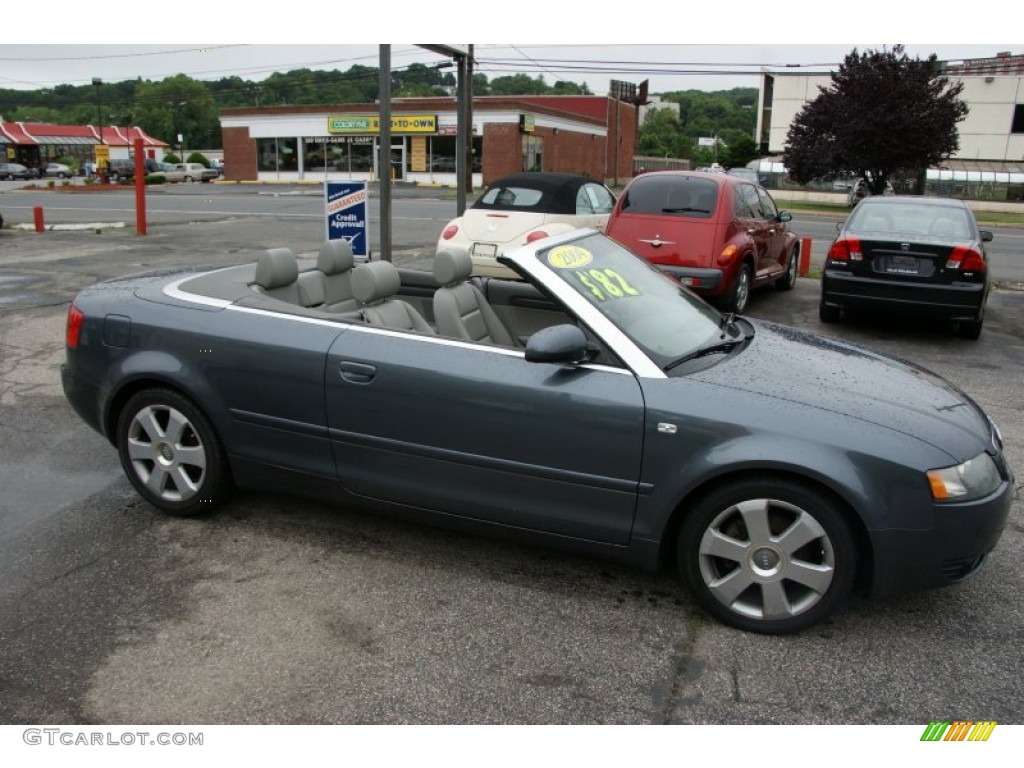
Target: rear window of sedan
<point>687,196</point>
<point>907,220</point>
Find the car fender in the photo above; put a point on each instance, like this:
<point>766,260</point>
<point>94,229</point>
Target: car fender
<point>158,368</point>
<point>887,497</point>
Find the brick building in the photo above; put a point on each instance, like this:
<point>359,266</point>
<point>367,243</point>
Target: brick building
<point>591,135</point>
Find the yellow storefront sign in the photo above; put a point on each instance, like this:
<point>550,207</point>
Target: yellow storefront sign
<point>349,124</point>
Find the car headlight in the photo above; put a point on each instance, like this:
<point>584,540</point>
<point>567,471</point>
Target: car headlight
<point>973,479</point>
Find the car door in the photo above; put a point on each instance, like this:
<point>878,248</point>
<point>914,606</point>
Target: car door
<point>750,220</point>
<point>775,235</point>
<point>477,431</point>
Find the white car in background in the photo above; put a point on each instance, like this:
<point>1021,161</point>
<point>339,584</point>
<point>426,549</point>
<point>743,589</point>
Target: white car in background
<point>522,208</point>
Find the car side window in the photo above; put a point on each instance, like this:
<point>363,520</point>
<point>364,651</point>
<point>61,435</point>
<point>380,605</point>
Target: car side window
<point>768,209</point>
<point>751,204</point>
<point>600,200</point>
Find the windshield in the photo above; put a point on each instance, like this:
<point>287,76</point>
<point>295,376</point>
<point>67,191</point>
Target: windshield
<point>659,315</point>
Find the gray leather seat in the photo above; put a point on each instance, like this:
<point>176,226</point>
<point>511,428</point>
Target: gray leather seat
<point>335,265</point>
<point>374,286</point>
<point>276,274</point>
<point>460,309</point>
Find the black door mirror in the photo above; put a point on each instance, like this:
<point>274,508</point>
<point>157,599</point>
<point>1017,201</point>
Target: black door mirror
<point>557,344</point>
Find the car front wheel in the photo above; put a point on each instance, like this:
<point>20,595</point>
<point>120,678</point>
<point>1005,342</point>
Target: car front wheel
<point>171,453</point>
<point>768,555</point>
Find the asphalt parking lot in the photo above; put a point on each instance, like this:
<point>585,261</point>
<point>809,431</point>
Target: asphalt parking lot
<point>273,610</point>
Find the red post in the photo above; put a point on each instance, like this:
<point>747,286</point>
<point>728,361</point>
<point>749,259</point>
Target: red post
<point>805,256</point>
<point>38,213</point>
<point>140,189</point>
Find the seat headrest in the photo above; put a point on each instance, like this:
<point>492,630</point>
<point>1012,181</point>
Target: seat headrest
<point>276,268</point>
<point>375,281</point>
<point>452,265</point>
<point>335,256</point>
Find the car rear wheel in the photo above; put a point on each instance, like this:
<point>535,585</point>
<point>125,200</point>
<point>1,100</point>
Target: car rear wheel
<point>188,179</point>
<point>768,555</point>
<point>171,453</point>
<point>788,280</point>
<point>970,329</point>
<point>828,313</point>
<point>739,296</point>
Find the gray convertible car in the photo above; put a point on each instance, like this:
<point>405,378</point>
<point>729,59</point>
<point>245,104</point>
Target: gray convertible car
<point>595,405</point>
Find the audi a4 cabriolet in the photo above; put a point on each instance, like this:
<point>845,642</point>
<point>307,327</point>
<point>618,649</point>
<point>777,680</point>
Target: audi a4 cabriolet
<point>594,403</point>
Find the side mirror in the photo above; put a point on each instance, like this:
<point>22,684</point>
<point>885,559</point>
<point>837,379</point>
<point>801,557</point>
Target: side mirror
<point>557,344</point>
<point>839,226</point>
<point>784,216</point>
<point>986,236</point>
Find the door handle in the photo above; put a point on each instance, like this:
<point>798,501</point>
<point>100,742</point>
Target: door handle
<point>357,373</point>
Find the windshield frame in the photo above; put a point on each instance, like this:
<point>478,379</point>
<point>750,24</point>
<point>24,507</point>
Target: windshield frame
<point>608,326</point>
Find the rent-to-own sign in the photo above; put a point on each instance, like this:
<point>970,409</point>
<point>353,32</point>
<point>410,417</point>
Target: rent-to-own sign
<point>345,208</point>
<point>371,124</point>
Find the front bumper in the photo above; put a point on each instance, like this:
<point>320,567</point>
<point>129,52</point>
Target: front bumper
<point>951,552</point>
<point>959,301</point>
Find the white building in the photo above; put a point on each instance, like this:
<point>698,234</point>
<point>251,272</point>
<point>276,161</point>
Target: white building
<point>991,136</point>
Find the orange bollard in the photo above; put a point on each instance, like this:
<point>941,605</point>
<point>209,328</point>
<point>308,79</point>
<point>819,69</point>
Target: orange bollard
<point>37,212</point>
<point>805,256</point>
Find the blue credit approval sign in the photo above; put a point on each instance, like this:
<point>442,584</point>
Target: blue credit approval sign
<point>345,209</point>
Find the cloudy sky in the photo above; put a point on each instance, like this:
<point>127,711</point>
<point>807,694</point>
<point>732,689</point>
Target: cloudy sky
<point>700,47</point>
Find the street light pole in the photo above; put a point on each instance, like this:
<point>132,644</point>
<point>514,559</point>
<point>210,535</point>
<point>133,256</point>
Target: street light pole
<point>97,82</point>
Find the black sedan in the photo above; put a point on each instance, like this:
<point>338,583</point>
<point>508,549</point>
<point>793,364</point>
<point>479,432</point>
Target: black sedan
<point>12,171</point>
<point>909,255</point>
<point>593,404</point>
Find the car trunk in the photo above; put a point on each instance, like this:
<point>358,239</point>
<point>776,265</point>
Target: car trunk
<point>921,262</point>
<point>499,226</point>
<point>675,240</point>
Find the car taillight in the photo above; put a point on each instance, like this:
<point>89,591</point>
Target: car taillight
<point>450,232</point>
<point>540,234</point>
<point>966,260</point>
<point>74,327</point>
<point>847,249</point>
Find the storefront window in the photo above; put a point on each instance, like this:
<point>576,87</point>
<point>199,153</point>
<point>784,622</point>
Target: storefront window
<point>533,153</point>
<point>277,154</point>
<point>442,154</point>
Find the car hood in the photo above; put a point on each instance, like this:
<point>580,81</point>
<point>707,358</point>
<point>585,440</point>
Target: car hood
<point>840,377</point>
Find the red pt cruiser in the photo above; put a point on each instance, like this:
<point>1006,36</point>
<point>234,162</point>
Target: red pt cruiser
<point>718,234</point>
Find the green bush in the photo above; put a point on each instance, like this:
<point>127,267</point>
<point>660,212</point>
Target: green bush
<point>70,162</point>
<point>156,178</point>
<point>198,157</point>
<point>170,157</point>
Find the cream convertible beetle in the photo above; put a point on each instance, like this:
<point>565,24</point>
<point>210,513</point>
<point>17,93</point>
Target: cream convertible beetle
<point>595,404</point>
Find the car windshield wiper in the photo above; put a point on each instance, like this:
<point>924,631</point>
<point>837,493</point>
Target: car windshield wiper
<point>685,210</point>
<point>717,348</point>
<point>724,345</point>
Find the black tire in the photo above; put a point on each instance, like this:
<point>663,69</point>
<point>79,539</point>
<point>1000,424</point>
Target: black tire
<point>768,555</point>
<point>788,280</point>
<point>828,313</point>
<point>171,454</point>
<point>62,175</point>
<point>739,294</point>
<point>189,179</point>
<point>970,329</point>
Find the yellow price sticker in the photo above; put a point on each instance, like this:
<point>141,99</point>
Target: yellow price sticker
<point>569,257</point>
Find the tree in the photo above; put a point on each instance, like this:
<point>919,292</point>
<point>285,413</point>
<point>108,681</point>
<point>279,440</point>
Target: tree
<point>883,113</point>
<point>660,136</point>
